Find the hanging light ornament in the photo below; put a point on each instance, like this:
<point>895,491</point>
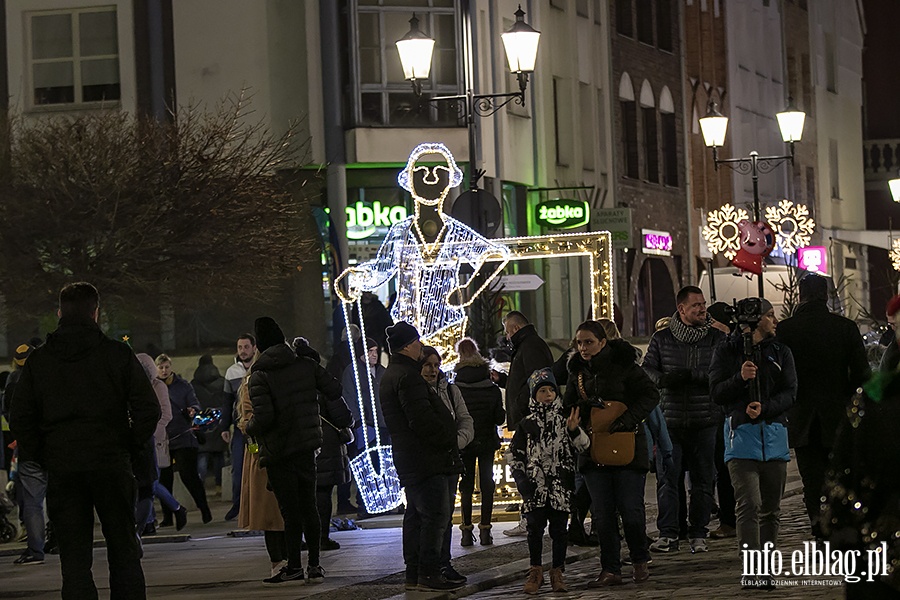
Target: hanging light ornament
<point>721,230</point>
<point>793,225</point>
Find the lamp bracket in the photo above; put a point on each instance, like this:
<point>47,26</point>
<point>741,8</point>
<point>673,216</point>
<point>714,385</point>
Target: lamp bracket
<point>744,166</point>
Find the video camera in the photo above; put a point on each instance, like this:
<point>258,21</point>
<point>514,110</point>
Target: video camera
<point>745,312</point>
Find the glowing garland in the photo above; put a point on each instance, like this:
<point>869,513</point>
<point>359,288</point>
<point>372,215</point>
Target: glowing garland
<point>792,224</point>
<point>721,230</point>
<point>895,254</point>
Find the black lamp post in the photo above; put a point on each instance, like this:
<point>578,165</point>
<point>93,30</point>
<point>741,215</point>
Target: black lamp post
<point>714,126</point>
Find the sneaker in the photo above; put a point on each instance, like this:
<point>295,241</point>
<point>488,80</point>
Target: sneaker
<point>285,575</point>
<point>28,558</point>
<point>149,529</point>
<point>277,566</point>
<point>452,575</point>
<point>232,513</point>
<point>436,581</point>
<point>517,531</point>
<point>665,544</point>
<point>698,545</point>
<point>328,544</point>
<point>180,518</point>
<point>724,531</point>
<point>315,573</point>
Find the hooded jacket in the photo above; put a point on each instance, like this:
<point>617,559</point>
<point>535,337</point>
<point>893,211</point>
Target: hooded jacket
<point>613,374</point>
<point>681,372</point>
<point>423,432</point>
<point>83,402</point>
<point>453,400</point>
<point>764,438</point>
<point>181,397</point>
<point>530,354</point>
<point>483,400</point>
<point>284,391</point>
<point>209,386</point>
<point>160,438</point>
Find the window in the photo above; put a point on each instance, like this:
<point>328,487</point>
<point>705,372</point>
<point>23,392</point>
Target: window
<point>623,17</point>
<point>651,147</point>
<point>581,8</point>
<point>629,126</point>
<point>384,96</point>
<point>834,169</point>
<point>830,67</point>
<point>645,21</point>
<point>74,56</point>
<point>664,25</point>
<point>586,130</point>
<point>562,121</point>
<point>669,138</point>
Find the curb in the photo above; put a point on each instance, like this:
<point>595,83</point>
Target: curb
<point>17,549</point>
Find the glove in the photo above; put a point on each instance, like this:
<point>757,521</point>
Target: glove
<point>526,488</point>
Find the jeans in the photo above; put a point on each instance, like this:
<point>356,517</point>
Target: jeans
<point>723,482</point>
<point>618,489</point>
<point>452,481</point>
<point>485,460</point>
<point>758,488</point>
<point>72,498</point>
<point>695,450</point>
<point>536,521</point>
<point>33,480</point>
<point>812,462</point>
<point>207,460</point>
<point>424,522</point>
<point>294,482</point>
<point>184,460</point>
<point>237,467</point>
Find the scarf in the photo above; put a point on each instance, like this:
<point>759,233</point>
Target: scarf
<point>686,333</point>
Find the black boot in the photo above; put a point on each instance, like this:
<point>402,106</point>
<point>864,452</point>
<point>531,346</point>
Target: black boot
<point>433,579</point>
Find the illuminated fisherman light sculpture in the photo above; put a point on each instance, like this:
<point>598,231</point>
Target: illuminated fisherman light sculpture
<point>426,253</point>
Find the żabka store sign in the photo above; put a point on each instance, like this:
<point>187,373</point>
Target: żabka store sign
<point>561,213</point>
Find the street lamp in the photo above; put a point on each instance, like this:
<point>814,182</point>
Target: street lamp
<point>520,44</point>
<point>894,184</point>
<point>790,122</point>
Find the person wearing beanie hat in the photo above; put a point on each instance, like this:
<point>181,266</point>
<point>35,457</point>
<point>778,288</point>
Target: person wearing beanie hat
<point>543,451</point>
<point>831,363</point>
<point>757,392</point>
<point>285,390</point>
<point>425,452</point>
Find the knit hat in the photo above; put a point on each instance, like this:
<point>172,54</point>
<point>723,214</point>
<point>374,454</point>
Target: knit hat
<point>400,335</point>
<point>765,306</point>
<point>430,351</point>
<point>22,353</point>
<point>371,343</point>
<point>813,287</point>
<point>540,378</point>
<point>268,333</point>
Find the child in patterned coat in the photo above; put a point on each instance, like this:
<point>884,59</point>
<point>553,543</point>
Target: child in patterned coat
<point>543,464</point>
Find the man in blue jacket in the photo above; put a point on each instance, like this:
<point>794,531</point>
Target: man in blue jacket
<point>756,386</point>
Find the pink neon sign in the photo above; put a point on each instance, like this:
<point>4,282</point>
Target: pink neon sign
<point>813,259</point>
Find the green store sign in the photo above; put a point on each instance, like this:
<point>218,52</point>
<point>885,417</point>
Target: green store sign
<point>364,220</point>
<point>562,213</point>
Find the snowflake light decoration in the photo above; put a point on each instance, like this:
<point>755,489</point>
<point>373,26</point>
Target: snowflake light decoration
<point>792,223</point>
<point>721,230</point>
<point>895,254</point>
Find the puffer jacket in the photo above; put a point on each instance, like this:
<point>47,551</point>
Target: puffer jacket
<point>764,438</point>
<point>681,372</point>
<point>484,401</point>
<point>543,457</point>
<point>209,385</point>
<point>284,391</point>
<point>453,400</point>
<point>181,397</point>
<point>531,353</point>
<point>423,432</point>
<point>613,374</point>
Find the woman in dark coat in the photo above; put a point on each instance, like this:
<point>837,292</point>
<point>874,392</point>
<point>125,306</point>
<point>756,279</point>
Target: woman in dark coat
<point>605,370</point>
<point>485,404</point>
<point>183,444</point>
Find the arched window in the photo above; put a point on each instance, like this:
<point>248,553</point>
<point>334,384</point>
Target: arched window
<point>669,137</point>
<point>629,126</point>
<point>651,145</point>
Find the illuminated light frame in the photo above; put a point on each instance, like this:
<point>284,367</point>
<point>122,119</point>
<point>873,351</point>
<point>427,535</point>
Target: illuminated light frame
<point>717,221</point>
<point>786,212</point>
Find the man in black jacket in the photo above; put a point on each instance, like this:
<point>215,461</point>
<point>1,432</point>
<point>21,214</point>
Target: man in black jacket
<point>831,363</point>
<point>423,437</point>
<point>677,360</point>
<point>83,408</point>
<point>284,392</point>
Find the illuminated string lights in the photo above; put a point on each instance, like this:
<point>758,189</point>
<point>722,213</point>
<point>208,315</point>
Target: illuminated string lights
<point>895,254</point>
<point>721,230</point>
<point>793,225</point>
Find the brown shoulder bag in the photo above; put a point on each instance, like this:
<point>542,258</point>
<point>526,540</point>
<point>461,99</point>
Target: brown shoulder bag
<point>608,449</point>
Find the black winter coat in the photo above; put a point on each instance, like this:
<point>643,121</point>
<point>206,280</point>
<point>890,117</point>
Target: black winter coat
<point>484,402</point>
<point>423,431</point>
<point>831,363</point>
<point>531,353</point>
<point>284,391</point>
<point>83,402</point>
<point>613,374</point>
<point>181,397</point>
<point>681,372</point>
<point>209,386</point>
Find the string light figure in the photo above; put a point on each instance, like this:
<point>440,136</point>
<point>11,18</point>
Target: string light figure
<point>895,254</point>
<point>721,230</point>
<point>793,225</point>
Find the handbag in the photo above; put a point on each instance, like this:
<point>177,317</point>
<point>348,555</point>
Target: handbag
<point>608,449</point>
<point>345,434</point>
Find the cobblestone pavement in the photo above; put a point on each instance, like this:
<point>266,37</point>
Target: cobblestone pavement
<point>715,574</point>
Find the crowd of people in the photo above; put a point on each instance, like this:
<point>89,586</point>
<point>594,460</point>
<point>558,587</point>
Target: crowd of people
<point>713,408</point>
